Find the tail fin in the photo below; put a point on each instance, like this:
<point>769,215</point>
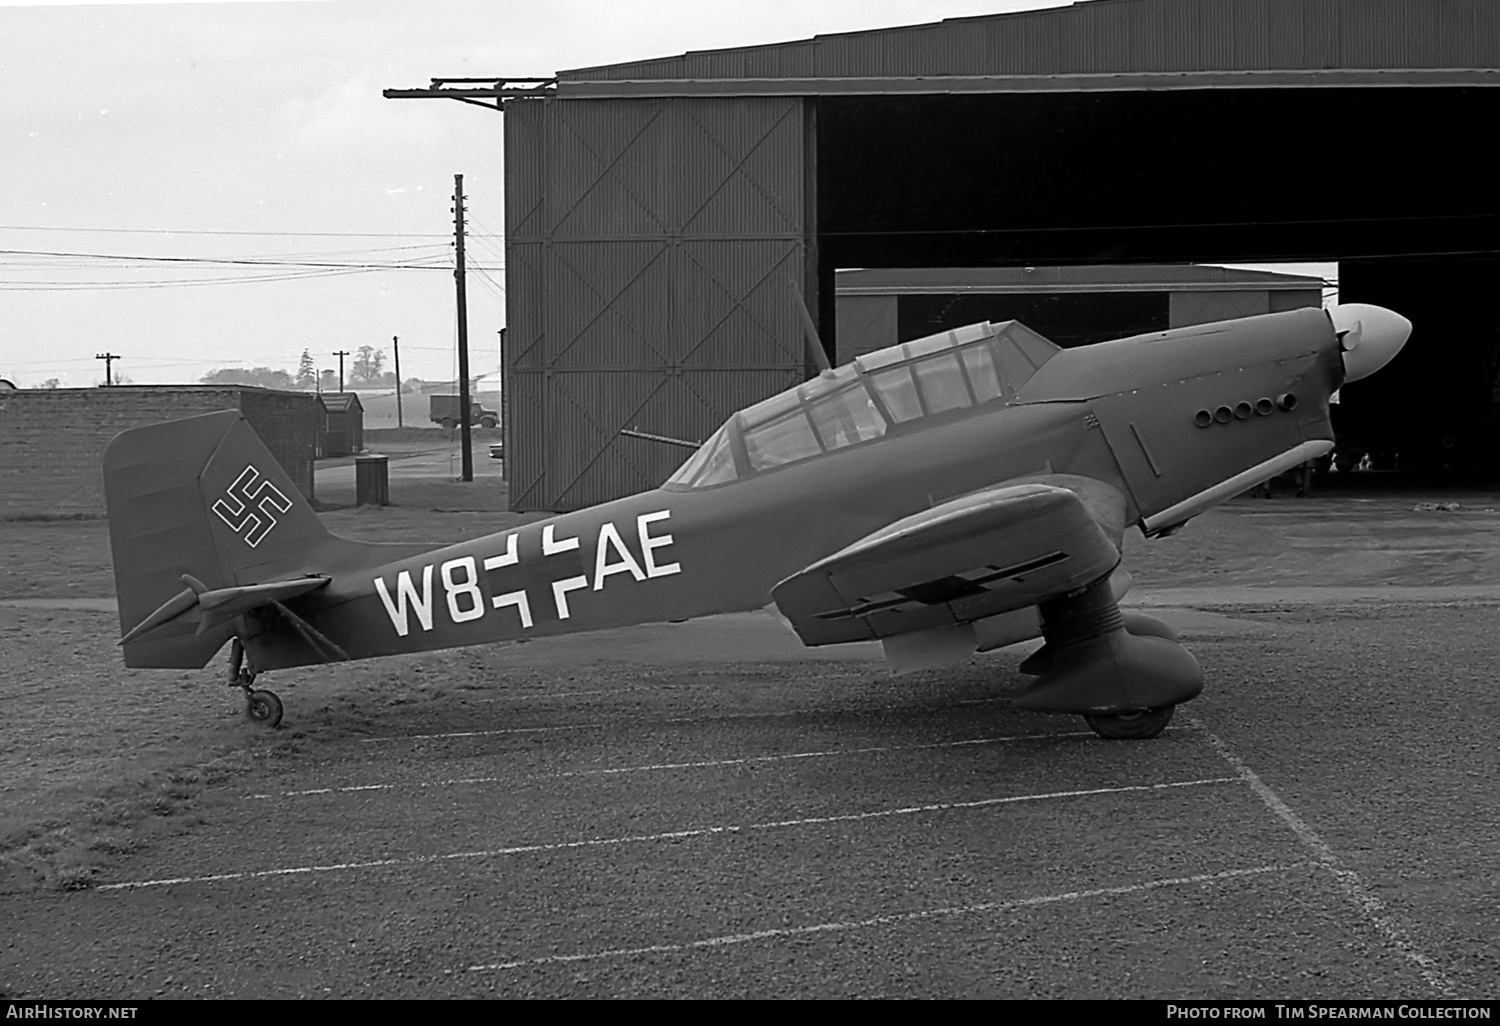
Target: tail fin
<point>200,498</point>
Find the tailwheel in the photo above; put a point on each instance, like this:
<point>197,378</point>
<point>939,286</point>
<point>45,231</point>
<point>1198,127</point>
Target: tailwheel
<point>1132,726</point>
<point>262,708</point>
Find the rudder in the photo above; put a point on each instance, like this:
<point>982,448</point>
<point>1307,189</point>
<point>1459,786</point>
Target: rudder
<point>201,497</point>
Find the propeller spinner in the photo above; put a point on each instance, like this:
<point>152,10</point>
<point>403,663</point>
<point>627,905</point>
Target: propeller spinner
<point>1370,337</point>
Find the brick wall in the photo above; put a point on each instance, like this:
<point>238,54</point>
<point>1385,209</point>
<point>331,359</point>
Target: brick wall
<point>52,440</point>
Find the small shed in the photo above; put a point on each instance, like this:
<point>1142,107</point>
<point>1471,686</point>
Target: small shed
<point>341,425</point>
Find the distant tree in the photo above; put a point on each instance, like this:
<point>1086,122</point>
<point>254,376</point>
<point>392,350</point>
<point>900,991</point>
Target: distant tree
<point>50,383</point>
<point>307,374</point>
<point>367,364</point>
<point>262,376</point>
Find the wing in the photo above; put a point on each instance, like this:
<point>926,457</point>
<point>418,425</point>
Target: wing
<point>970,559</point>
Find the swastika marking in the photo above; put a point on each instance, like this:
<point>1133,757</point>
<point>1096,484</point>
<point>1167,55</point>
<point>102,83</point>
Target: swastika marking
<point>251,505</point>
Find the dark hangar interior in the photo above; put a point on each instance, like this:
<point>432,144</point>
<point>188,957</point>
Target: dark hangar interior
<point>663,215</point>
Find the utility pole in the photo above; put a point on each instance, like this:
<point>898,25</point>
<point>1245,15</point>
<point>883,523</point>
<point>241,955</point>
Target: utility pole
<point>341,354</point>
<point>463,329</point>
<point>504,392</point>
<point>396,344</point>
<point>109,361</point>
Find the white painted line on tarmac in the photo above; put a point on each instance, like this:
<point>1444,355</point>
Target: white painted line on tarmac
<point>670,721</point>
<point>672,835</point>
<point>1373,908</point>
<point>710,718</point>
<point>891,919</point>
<point>480,733</point>
<point>660,766</point>
<point>532,696</point>
<point>633,692</point>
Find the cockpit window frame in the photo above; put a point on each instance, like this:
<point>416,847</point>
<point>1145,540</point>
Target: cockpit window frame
<point>1025,351</point>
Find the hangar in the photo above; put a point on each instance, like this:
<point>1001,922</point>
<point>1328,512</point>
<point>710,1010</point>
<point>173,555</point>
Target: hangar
<point>662,215</point>
<point>1072,306</point>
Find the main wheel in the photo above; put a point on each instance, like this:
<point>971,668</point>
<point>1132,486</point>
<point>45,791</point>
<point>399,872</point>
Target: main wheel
<point>488,422</point>
<point>449,423</point>
<point>263,708</point>
<point>1135,726</point>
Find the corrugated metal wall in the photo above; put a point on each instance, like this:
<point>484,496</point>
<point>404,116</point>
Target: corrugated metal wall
<point>651,248</point>
<point>1124,36</point>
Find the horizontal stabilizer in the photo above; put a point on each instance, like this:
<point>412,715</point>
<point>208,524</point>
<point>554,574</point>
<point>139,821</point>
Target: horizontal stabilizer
<point>219,605</point>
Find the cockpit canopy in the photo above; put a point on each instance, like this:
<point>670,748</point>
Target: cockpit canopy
<point>861,401</point>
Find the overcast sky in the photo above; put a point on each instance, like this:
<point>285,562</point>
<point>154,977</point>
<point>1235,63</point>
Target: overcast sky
<point>256,132</point>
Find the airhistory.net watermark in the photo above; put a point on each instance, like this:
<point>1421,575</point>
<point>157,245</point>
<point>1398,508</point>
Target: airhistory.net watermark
<point>42,1010</point>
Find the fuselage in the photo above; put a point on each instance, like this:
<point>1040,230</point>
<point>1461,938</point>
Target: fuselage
<point>1166,418</point>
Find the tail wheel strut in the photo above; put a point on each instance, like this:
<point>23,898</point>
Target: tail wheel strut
<point>262,707</point>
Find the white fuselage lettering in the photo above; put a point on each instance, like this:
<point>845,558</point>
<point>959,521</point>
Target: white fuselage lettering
<point>610,538</point>
<point>464,596</point>
<point>649,544</point>
<point>468,588</point>
<point>406,593</point>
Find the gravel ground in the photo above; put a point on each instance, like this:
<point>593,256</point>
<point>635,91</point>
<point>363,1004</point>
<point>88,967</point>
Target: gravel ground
<point>705,811</point>
<point>1319,824</point>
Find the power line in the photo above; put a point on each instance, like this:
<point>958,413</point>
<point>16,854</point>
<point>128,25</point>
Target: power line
<point>494,285</point>
<point>246,261</point>
<point>320,257</point>
<point>209,231</point>
<point>8,286</point>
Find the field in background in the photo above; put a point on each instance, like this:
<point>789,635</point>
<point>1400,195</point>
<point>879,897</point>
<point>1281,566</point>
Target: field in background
<point>380,409</point>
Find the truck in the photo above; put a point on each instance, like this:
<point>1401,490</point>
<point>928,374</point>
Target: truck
<point>443,409</point>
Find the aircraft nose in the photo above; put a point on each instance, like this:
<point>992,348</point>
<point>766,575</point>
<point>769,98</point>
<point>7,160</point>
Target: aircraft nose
<point>1370,337</point>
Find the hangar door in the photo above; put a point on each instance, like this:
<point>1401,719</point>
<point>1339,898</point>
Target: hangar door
<point>651,252</point>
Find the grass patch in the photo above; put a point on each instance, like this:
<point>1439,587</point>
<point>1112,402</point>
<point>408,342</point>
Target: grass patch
<point>66,854</point>
<point>434,434</point>
<point>45,518</point>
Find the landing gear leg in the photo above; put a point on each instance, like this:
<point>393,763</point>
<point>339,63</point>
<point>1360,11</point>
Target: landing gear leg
<point>1123,677</point>
<point>261,707</point>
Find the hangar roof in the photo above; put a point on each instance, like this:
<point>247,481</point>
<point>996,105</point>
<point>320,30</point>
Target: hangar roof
<point>1098,44</point>
<point>1082,278</point>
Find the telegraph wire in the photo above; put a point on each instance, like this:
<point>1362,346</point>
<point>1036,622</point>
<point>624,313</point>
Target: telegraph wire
<point>491,282</point>
<point>212,231</point>
<point>55,258</point>
<point>165,360</point>
<point>243,261</point>
<point>11,286</point>
<point>298,269</point>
